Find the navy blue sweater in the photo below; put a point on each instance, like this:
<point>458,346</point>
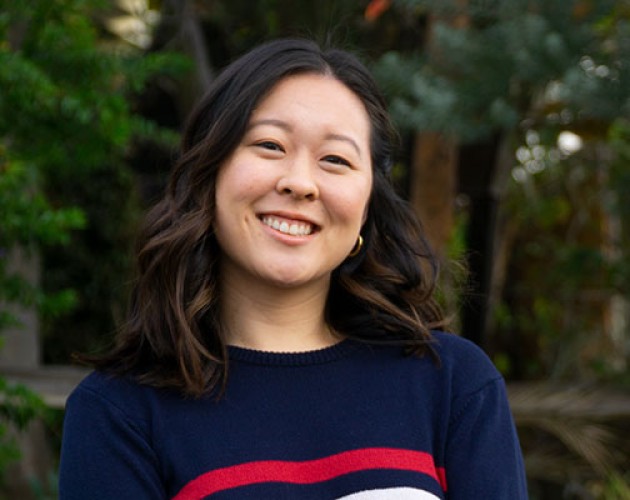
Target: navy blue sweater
<point>350,421</point>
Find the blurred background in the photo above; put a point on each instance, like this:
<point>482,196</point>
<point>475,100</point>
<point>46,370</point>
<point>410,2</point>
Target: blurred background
<point>515,125</point>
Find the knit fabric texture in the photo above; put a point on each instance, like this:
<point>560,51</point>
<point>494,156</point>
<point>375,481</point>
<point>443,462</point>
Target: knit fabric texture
<point>351,421</point>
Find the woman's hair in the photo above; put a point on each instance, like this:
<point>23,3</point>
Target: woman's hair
<point>173,333</point>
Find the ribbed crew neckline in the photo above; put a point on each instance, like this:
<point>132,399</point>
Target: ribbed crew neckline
<point>271,358</point>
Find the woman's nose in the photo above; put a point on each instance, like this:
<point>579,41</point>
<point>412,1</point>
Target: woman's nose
<point>298,180</point>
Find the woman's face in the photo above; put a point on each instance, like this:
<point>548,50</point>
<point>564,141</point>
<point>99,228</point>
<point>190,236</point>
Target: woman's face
<point>291,199</point>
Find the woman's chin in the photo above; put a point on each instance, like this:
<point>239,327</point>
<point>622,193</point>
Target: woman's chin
<point>297,278</point>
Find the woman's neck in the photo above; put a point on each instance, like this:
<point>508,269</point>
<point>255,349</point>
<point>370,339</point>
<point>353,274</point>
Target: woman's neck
<point>275,319</point>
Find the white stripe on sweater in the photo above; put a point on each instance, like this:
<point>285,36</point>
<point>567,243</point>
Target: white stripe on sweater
<point>391,494</point>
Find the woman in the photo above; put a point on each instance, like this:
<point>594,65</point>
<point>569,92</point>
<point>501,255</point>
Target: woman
<point>279,342</point>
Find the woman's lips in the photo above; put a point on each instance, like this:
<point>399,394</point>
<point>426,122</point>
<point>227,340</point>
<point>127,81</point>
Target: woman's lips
<point>289,226</point>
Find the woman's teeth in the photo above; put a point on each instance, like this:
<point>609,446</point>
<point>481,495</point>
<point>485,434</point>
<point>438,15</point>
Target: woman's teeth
<point>293,228</point>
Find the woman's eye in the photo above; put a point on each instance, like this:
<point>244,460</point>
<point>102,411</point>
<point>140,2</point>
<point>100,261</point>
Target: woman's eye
<point>270,146</point>
<point>336,160</point>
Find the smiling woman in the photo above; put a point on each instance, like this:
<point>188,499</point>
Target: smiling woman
<point>282,336</point>
<point>290,202</point>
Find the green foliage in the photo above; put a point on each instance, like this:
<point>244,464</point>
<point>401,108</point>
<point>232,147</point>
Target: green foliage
<point>564,304</point>
<point>67,195</point>
<point>562,310</point>
<point>67,123</point>
<point>28,219</point>
<point>18,407</point>
<point>619,140</point>
<point>240,25</point>
<point>530,71</point>
<point>617,487</point>
<point>510,61</point>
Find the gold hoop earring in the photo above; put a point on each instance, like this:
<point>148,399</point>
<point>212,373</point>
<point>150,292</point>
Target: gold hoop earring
<point>357,247</point>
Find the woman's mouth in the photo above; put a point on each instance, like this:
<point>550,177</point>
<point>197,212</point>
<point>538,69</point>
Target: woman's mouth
<point>287,226</point>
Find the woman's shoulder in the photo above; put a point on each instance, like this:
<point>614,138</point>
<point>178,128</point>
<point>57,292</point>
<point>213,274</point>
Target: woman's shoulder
<point>103,383</point>
<point>454,348</point>
<point>117,391</point>
<point>464,363</point>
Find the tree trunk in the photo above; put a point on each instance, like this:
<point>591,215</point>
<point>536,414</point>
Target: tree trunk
<point>433,187</point>
<point>481,178</point>
<point>181,29</point>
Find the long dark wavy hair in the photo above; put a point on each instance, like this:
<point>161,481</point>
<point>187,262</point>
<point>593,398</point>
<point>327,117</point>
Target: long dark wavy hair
<point>173,333</point>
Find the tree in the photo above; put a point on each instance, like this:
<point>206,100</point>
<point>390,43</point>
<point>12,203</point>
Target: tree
<point>537,96</point>
<point>66,126</point>
<point>517,66</point>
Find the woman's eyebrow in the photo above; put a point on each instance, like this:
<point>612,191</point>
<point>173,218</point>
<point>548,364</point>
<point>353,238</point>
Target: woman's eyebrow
<point>286,126</point>
<point>345,138</point>
<point>270,121</point>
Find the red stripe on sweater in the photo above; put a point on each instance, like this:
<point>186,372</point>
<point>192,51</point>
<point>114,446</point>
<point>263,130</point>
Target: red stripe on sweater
<point>311,471</point>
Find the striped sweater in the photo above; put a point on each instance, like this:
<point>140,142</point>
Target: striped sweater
<point>351,422</point>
